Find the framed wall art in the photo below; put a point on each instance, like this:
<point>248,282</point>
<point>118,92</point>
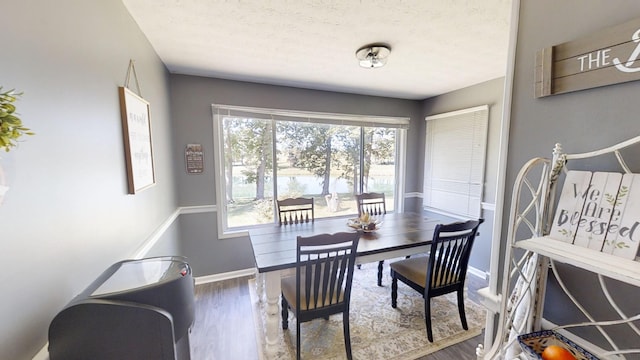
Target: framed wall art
<point>136,127</point>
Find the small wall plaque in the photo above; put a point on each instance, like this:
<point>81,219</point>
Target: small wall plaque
<point>194,158</point>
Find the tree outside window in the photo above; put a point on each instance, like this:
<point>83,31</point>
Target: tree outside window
<point>265,159</point>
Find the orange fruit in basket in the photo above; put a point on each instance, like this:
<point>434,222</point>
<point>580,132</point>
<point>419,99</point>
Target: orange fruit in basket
<point>555,352</point>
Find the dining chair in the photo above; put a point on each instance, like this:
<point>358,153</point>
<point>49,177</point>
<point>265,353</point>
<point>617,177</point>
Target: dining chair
<point>373,204</point>
<point>295,211</point>
<point>443,271</point>
<point>322,284</point>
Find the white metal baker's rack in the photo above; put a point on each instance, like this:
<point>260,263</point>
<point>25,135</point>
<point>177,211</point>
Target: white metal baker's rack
<point>530,254</point>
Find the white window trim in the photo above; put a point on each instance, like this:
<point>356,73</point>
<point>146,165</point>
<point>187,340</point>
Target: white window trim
<point>223,232</point>
<point>400,123</point>
<point>401,169</point>
<point>362,120</point>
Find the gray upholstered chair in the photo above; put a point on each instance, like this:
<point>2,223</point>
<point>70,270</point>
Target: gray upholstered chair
<point>322,284</point>
<point>442,272</point>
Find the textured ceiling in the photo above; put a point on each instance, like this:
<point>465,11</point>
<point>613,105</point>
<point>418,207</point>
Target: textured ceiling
<point>437,46</point>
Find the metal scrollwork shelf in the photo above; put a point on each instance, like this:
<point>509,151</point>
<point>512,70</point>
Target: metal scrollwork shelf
<point>531,257</point>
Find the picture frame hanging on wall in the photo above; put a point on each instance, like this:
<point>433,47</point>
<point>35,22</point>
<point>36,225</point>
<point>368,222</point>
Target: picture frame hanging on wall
<point>136,128</point>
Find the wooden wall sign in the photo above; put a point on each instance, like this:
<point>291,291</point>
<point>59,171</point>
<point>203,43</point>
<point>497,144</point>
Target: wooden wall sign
<point>194,158</point>
<point>610,56</point>
<point>599,211</point>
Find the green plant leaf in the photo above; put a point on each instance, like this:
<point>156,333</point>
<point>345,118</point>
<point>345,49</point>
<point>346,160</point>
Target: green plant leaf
<point>11,128</point>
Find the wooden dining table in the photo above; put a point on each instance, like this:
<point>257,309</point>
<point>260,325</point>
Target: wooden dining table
<point>274,248</point>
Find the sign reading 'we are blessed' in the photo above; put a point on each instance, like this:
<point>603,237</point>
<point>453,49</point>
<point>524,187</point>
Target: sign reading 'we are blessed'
<point>600,211</point>
<point>610,56</point>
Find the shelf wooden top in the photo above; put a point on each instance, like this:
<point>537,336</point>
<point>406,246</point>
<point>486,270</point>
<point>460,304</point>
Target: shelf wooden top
<point>611,266</point>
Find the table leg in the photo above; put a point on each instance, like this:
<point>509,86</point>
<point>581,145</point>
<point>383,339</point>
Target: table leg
<point>260,286</point>
<point>272,288</point>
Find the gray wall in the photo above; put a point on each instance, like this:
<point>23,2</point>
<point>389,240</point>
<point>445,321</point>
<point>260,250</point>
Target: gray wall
<point>168,242</point>
<point>583,120</point>
<point>67,215</point>
<point>191,100</point>
<point>580,121</point>
<point>487,93</point>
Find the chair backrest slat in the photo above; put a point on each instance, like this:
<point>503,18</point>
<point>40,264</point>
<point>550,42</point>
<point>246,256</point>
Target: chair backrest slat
<point>307,290</point>
<point>344,262</point>
<point>328,261</point>
<point>450,250</point>
<point>295,211</point>
<point>333,280</point>
<point>371,203</point>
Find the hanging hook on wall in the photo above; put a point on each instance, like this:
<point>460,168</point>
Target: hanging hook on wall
<point>132,69</point>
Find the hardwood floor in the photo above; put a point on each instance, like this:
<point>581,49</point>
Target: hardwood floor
<point>223,328</point>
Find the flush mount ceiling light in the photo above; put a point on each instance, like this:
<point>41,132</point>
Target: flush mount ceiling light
<point>373,56</point>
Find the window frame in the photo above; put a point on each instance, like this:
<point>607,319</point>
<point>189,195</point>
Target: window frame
<point>220,111</point>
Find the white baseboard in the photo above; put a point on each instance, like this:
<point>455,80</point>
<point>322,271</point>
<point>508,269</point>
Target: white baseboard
<point>477,272</point>
<point>224,276</point>
<point>488,206</point>
<point>43,354</point>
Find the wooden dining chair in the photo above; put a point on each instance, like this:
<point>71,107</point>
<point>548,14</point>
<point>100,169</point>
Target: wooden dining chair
<point>443,271</point>
<point>373,204</point>
<point>322,283</point>
<point>295,211</point>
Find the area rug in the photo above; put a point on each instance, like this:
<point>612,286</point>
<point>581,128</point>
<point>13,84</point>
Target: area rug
<point>378,331</point>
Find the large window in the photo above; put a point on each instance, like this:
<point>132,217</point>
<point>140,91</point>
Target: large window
<point>266,154</point>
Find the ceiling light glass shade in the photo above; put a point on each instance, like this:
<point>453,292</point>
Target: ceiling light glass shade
<point>373,56</point>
